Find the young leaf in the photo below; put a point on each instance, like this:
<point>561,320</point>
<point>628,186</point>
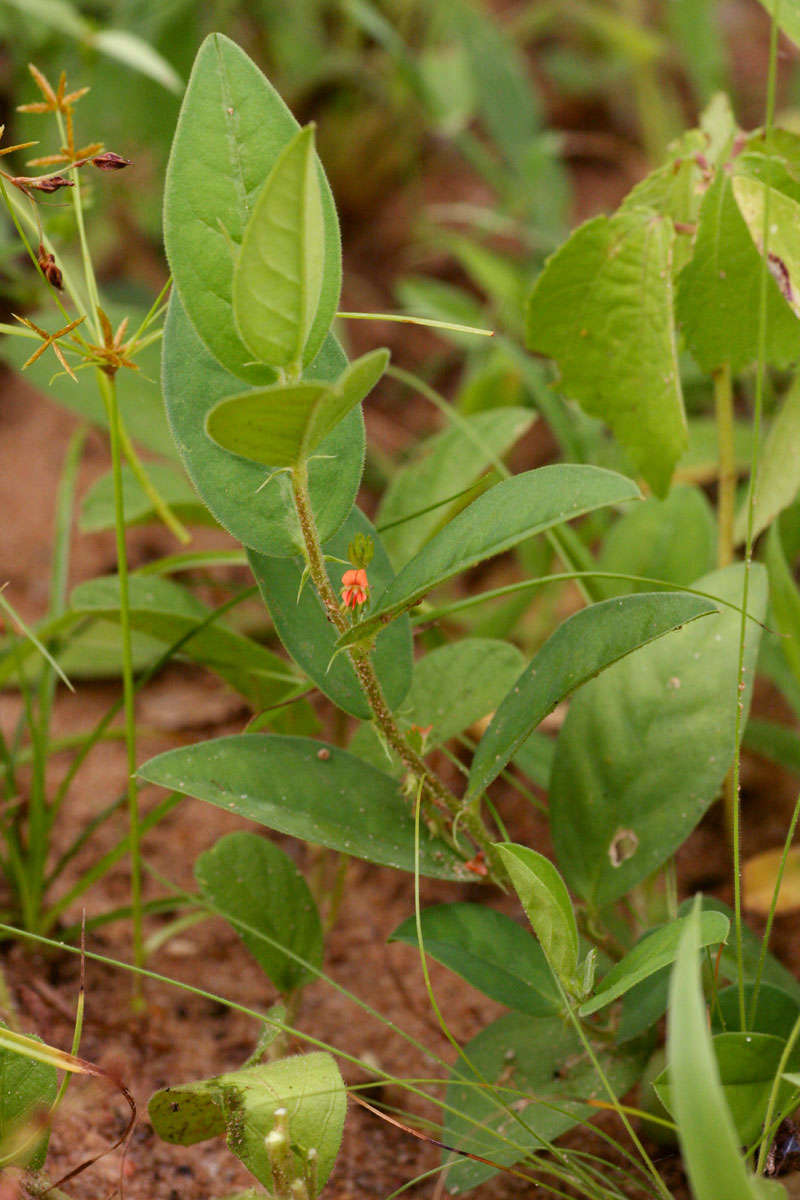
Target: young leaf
<point>718,291</point>
<point>241,1106</point>
<point>778,478</point>
<point>232,128</point>
<point>507,514</point>
<point>251,880</point>
<point>580,648</point>
<point>309,790</point>
<point>303,626</point>
<point>282,425</point>
<point>652,953</point>
<point>708,1138</point>
<point>645,747</point>
<point>490,951</point>
<point>536,1060</point>
<point>193,383</point>
<point>278,274</point>
<point>602,308</point>
<point>546,901</point>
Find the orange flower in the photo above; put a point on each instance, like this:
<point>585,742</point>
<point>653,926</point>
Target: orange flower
<point>355,588</point>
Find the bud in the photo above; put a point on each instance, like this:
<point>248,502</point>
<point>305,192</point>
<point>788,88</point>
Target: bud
<point>361,550</point>
<point>43,183</point>
<point>48,267</point>
<point>109,161</point>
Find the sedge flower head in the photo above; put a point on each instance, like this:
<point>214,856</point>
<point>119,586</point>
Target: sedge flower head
<point>355,588</point>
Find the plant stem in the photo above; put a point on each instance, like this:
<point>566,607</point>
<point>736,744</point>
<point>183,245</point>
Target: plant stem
<point>109,394</point>
<point>726,500</point>
<point>435,791</point>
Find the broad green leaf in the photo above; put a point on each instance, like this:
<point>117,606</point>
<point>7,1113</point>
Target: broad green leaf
<point>490,951</point>
<point>675,190</point>
<point>97,507</point>
<point>283,424</point>
<point>166,611</point>
<point>139,396</point>
<point>535,758</point>
<point>602,308</point>
<point>303,626</point>
<point>778,476</point>
<point>783,242</point>
<point>309,790</point>
<point>776,1011</point>
<point>241,1106</point>
<point>746,1063</point>
<point>547,904</point>
<point>718,291</point>
<point>645,747</point>
<point>250,880</point>
<point>501,518</point>
<point>584,645</point>
<point>779,743</point>
<point>232,128</point>
<point>652,954</point>
<point>784,599</point>
<point>670,539</point>
<point>261,517</point>
<point>708,1137</point>
<point>773,971</point>
<point>787,14</point>
<point>277,279</point>
<point>543,1081</point>
<point>443,466</point>
<point>27,1089</point>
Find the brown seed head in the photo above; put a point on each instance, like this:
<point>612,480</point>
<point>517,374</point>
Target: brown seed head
<point>44,183</point>
<point>49,269</point>
<point>109,161</point>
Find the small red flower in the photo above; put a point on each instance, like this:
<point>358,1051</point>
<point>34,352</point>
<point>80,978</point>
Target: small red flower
<point>355,588</point>
<point>477,864</point>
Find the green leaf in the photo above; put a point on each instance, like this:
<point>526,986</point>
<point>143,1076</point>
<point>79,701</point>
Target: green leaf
<point>231,131</point>
<point>708,1137</point>
<point>787,13</point>
<point>538,1063</point>
<point>97,507</point>
<point>776,1011</point>
<point>779,743</point>
<point>652,953</point>
<point>784,599</point>
<point>443,466</point>
<point>535,758</point>
<point>772,971</point>
<point>602,308</point>
<point>503,517</point>
<point>283,424</point>
<point>27,1088</point>
<point>250,880</point>
<point>166,611</point>
<point>241,1106</point>
<point>783,240</point>
<point>675,189</point>
<point>670,539</point>
<point>277,279</point>
<point>778,477</point>
<point>261,517</point>
<point>544,897</point>
<point>309,790</point>
<point>303,626</point>
<point>585,644</point>
<point>718,291</point>
<point>488,950</point>
<point>645,747</point>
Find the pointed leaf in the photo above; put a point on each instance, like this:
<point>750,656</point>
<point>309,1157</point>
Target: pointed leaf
<point>490,951</point>
<point>652,954</point>
<point>260,517</point>
<point>503,517</point>
<point>231,130</point>
<point>308,790</point>
<point>249,879</point>
<point>579,649</point>
<point>283,424</point>
<point>778,477</point>
<point>783,240</point>
<point>602,308</point>
<point>303,626</point>
<point>645,747</point>
<point>546,901</point>
<point>27,1090</point>
<point>787,14</point>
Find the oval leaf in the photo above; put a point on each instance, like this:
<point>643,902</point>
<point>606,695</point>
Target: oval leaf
<point>231,130</point>
<point>261,517</point>
<point>251,882</point>
<point>490,951</point>
<point>309,790</point>
<point>544,897</point>
<point>508,513</point>
<point>282,425</point>
<point>583,646</point>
